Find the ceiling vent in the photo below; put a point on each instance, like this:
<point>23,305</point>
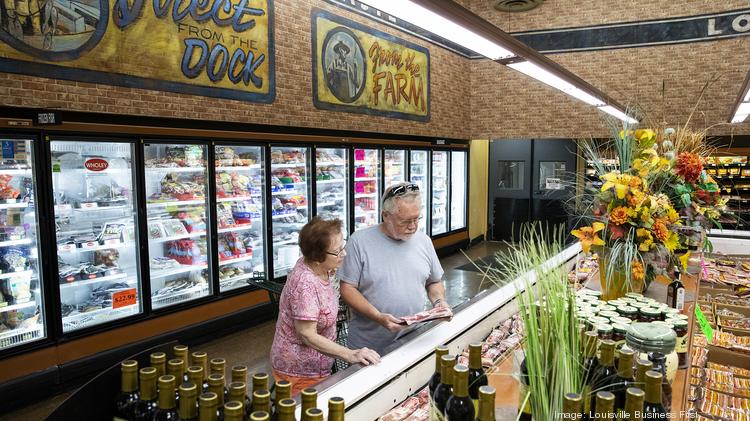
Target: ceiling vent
<point>516,5</point>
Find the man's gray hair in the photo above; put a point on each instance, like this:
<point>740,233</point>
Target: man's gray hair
<point>390,204</point>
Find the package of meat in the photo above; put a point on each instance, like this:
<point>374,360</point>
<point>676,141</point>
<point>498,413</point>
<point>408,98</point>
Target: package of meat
<point>424,316</point>
<point>424,395</point>
<point>495,337</point>
<point>402,411</point>
<point>421,414</point>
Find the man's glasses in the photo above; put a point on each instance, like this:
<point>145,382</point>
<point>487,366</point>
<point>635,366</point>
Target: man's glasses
<point>338,253</point>
<point>400,190</point>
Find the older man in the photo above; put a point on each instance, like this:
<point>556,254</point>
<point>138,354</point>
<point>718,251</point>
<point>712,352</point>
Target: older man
<point>389,271</point>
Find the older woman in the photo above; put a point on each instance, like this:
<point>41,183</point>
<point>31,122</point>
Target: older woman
<point>304,346</point>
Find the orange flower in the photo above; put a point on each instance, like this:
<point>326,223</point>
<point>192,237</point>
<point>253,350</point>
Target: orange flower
<point>689,166</point>
<point>619,215</point>
<point>661,232</point>
<point>635,182</point>
<point>588,236</point>
<point>638,272</point>
<point>636,198</point>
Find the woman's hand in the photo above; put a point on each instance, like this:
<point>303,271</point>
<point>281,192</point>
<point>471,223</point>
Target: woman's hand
<point>364,356</point>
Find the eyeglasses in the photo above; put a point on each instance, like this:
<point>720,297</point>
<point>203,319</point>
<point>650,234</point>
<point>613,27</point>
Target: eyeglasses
<point>338,253</point>
<point>400,190</point>
<point>407,222</point>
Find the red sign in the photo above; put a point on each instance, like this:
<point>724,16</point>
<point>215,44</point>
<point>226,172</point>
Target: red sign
<point>96,164</point>
<point>124,298</point>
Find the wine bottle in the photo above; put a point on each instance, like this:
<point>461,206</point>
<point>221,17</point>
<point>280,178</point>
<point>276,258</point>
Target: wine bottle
<point>605,376</point>
<point>200,358</point>
<point>660,366</point>
<point>524,409</point>
<point>314,414</point>
<point>159,362</point>
<point>128,395</point>
<point>260,382</point>
<point>624,378</point>
<point>181,353</point>
<point>195,376</point>
<point>262,416</point>
<point>188,406</point>
<point>336,409</point>
<point>633,404</point>
<point>605,406</point>
<point>262,401</point>
<point>285,409</point>
<point>166,410</point>
<point>239,374</point>
<point>233,411</point>
<point>218,366</point>
<point>309,400</point>
<point>445,389</point>
<point>486,404</point>
<point>283,391</point>
<point>590,368</point>
<point>435,379</point>
<point>174,367</point>
<point>460,406</point>
<point>477,376</point>
<point>238,392</point>
<point>207,410</point>
<point>216,385</point>
<point>676,292</point>
<point>653,405</point>
<point>144,408</point>
<point>641,367</point>
<point>572,406</point>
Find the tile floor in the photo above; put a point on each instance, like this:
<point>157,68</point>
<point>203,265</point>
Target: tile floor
<point>251,346</point>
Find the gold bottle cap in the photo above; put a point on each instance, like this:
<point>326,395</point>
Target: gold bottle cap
<point>158,357</point>
<point>147,373</point>
<point>129,366</point>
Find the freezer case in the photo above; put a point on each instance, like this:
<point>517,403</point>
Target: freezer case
<point>289,204</point>
<point>459,181</point>
<point>240,184</point>
<point>331,184</point>
<point>395,167</point>
<point>176,205</point>
<point>97,249</point>
<point>419,175</point>
<point>439,215</point>
<point>366,188</point>
<point>21,300</point>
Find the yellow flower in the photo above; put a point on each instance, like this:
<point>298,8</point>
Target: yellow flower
<point>588,236</point>
<point>684,260</point>
<point>647,241</point>
<point>619,215</point>
<point>672,215</point>
<point>638,272</point>
<point>635,182</point>
<point>636,198</point>
<point>621,183</point>
<point>645,135</point>
<point>672,242</point>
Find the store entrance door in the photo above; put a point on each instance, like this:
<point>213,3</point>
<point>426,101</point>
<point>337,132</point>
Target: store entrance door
<point>509,187</point>
<point>553,182</point>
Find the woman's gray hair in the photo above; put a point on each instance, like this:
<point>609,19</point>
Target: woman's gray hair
<point>389,204</point>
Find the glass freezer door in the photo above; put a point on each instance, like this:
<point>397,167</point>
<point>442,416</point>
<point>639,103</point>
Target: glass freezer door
<point>240,173</point>
<point>366,188</point>
<point>439,215</point>
<point>395,167</point>
<point>176,207</point>
<point>331,181</point>
<point>458,190</point>
<point>418,175</point>
<point>289,204</point>
<point>97,240</point>
<point>21,300</point>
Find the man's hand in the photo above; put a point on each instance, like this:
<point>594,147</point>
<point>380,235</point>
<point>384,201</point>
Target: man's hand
<point>390,322</point>
<point>440,302</point>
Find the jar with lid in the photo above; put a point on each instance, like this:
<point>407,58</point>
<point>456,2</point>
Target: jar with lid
<point>615,303</point>
<point>634,295</point>
<point>648,314</point>
<point>604,331</point>
<point>609,314</point>
<point>681,346</point>
<point>656,342</point>
<point>619,331</point>
<point>622,320</point>
<point>628,311</point>
<point>607,307</point>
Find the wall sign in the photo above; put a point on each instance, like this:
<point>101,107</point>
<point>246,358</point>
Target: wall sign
<point>219,48</point>
<point>361,70</point>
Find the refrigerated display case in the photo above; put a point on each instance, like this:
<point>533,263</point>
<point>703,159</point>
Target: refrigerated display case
<point>21,299</point>
<point>289,204</point>
<point>366,188</point>
<point>332,187</point>
<point>459,180</point>
<point>439,213</point>
<point>395,167</point>
<point>240,174</point>
<point>97,250</point>
<point>418,174</point>
<point>177,206</point>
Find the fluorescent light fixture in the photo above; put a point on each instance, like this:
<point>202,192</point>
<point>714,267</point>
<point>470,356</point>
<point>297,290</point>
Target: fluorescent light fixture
<point>618,114</point>
<point>431,21</point>
<point>739,118</point>
<point>742,111</point>
<point>747,96</point>
<point>532,70</point>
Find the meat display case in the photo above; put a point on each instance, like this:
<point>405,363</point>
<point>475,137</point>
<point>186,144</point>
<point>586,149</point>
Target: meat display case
<point>367,177</point>
<point>395,167</point>
<point>419,174</point>
<point>332,184</point>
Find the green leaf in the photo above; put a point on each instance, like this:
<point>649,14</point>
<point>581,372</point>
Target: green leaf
<point>685,199</point>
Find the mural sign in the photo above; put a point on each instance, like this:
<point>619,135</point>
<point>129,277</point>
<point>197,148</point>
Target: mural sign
<point>219,48</point>
<point>361,70</point>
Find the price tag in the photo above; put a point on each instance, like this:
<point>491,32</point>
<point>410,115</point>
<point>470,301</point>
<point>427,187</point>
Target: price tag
<point>703,323</point>
<point>124,298</point>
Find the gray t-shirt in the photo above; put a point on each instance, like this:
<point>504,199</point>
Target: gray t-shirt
<point>391,275</point>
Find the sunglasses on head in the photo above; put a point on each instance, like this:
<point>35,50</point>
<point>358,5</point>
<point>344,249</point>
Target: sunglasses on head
<point>400,190</point>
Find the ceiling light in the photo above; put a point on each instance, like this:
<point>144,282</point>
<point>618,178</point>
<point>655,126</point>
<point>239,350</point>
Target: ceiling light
<point>742,111</point>
<point>739,118</point>
<point>617,113</point>
<point>532,70</point>
<point>431,21</point>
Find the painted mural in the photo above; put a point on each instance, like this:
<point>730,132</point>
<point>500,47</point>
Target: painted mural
<point>220,48</point>
<point>361,70</point>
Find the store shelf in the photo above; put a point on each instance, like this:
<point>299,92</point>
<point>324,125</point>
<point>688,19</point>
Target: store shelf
<point>293,192</point>
<point>286,165</point>
<point>9,171</point>
<point>284,215</point>
<point>237,198</point>
<point>324,204</point>
<point>81,320</point>
<point>16,274</point>
<point>176,203</point>
<point>235,260</point>
<point>359,195</point>
<point>163,273</point>
<point>11,243</point>
<point>175,169</point>
<point>242,168</point>
<point>334,181</point>
<point>16,336</point>
<point>329,163</point>
<point>235,229</point>
<point>30,303</point>
<point>224,283</point>
<point>81,283</point>
<point>178,237</point>
<point>95,248</point>
<point>187,294</point>
<point>18,205</point>
<point>99,208</point>
<point>364,213</point>
<point>365,179</point>
<point>281,243</point>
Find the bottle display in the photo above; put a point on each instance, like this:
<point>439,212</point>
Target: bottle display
<point>460,406</point>
<point>419,175</point>
<point>285,409</point>
<point>239,373</point>
<point>289,204</point>
<point>309,401</point>
<point>435,379</point>
<point>445,389</point>
<point>21,298</point>
<point>207,410</point>
<point>486,404</point>
<point>605,406</point>
<point>624,378</point>
<point>283,390</point>
<point>217,366</point>
<point>653,407</point>
<point>477,376</point>
<point>260,381</point>
<point>633,402</point>
<point>395,167</point>
<point>159,362</point>
<point>605,377</point>
<point>188,406</point>
<point>97,251</point>
<point>233,411</point>
<point>332,184</point>
<point>572,406</point>
<point>314,414</point>
<point>166,409</point>
<point>216,385</point>
<point>590,369</point>
<point>439,216</point>
<point>128,396</point>
<point>240,183</point>
<point>144,409</point>
<point>366,188</point>
<point>176,204</point>
<point>676,291</point>
<point>262,400</point>
<point>238,392</point>
<point>336,409</point>
<point>458,189</point>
